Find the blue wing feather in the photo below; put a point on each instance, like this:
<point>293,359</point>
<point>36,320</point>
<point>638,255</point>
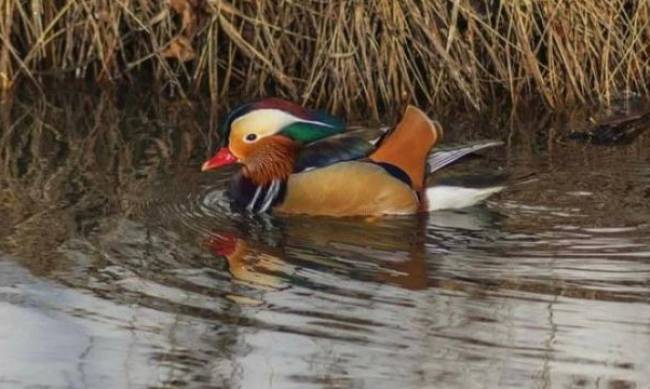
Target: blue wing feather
<point>334,149</point>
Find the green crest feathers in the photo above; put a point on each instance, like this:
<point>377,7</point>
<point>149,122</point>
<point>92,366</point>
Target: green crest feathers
<point>307,132</point>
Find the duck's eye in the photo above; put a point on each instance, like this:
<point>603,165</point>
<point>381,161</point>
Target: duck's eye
<point>251,137</point>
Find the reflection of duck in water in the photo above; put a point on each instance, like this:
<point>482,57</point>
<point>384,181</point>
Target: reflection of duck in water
<point>246,263</point>
<point>299,161</point>
<point>285,251</point>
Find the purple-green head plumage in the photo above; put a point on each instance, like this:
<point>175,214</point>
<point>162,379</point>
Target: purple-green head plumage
<point>275,116</point>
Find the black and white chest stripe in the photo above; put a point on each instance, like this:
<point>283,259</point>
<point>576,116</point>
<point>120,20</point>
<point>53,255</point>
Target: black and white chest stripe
<point>264,197</point>
<point>253,198</point>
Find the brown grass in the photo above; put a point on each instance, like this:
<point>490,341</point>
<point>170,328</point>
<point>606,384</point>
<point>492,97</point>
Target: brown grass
<point>349,56</point>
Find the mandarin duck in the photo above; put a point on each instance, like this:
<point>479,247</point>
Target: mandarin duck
<point>301,161</point>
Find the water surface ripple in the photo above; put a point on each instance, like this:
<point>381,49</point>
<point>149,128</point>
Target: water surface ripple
<point>545,286</point>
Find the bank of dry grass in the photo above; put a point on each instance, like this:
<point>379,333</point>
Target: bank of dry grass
<point>345,55</point>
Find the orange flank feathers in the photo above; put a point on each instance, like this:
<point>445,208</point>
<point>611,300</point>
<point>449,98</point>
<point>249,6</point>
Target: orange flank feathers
<point>408,146</point>
<point>348,188</point>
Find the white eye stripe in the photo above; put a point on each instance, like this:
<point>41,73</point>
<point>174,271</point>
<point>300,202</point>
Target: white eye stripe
<point>267,121</point>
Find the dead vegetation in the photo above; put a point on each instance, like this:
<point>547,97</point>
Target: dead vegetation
<point>349,56</point>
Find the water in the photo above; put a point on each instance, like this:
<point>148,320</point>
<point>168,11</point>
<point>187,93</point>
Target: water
<point>122,266</point>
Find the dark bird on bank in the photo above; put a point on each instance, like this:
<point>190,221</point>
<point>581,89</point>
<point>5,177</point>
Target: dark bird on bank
<point>619,130</point>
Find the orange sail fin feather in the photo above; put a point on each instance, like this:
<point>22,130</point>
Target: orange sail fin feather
<point>299,161</point>
<point>408,146</point>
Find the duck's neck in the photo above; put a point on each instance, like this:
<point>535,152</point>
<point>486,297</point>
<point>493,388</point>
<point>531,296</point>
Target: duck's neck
<point>271,161</point>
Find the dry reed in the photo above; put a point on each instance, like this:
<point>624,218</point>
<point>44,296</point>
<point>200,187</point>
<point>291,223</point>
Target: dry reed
<point>349,56</point>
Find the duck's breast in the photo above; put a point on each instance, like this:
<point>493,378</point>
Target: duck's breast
<point>347,189</point>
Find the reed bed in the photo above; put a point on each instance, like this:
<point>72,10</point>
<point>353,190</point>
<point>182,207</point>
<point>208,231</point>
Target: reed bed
<point>348,56</point>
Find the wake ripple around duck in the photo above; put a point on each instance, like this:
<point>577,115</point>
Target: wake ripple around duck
<point>198,205</point>
<point>531,277</point>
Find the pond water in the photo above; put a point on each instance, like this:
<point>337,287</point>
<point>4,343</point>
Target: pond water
<point>122,266</point>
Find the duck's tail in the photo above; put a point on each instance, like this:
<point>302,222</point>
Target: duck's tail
<point>456,197</point>
<point>460,191</point>
<point>408,145</point>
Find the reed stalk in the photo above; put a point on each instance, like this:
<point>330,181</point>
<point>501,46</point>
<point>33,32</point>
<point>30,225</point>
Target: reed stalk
<point>349,56</point>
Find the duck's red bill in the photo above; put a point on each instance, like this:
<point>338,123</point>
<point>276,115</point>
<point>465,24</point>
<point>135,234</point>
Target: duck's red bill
<point>222,158</point>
